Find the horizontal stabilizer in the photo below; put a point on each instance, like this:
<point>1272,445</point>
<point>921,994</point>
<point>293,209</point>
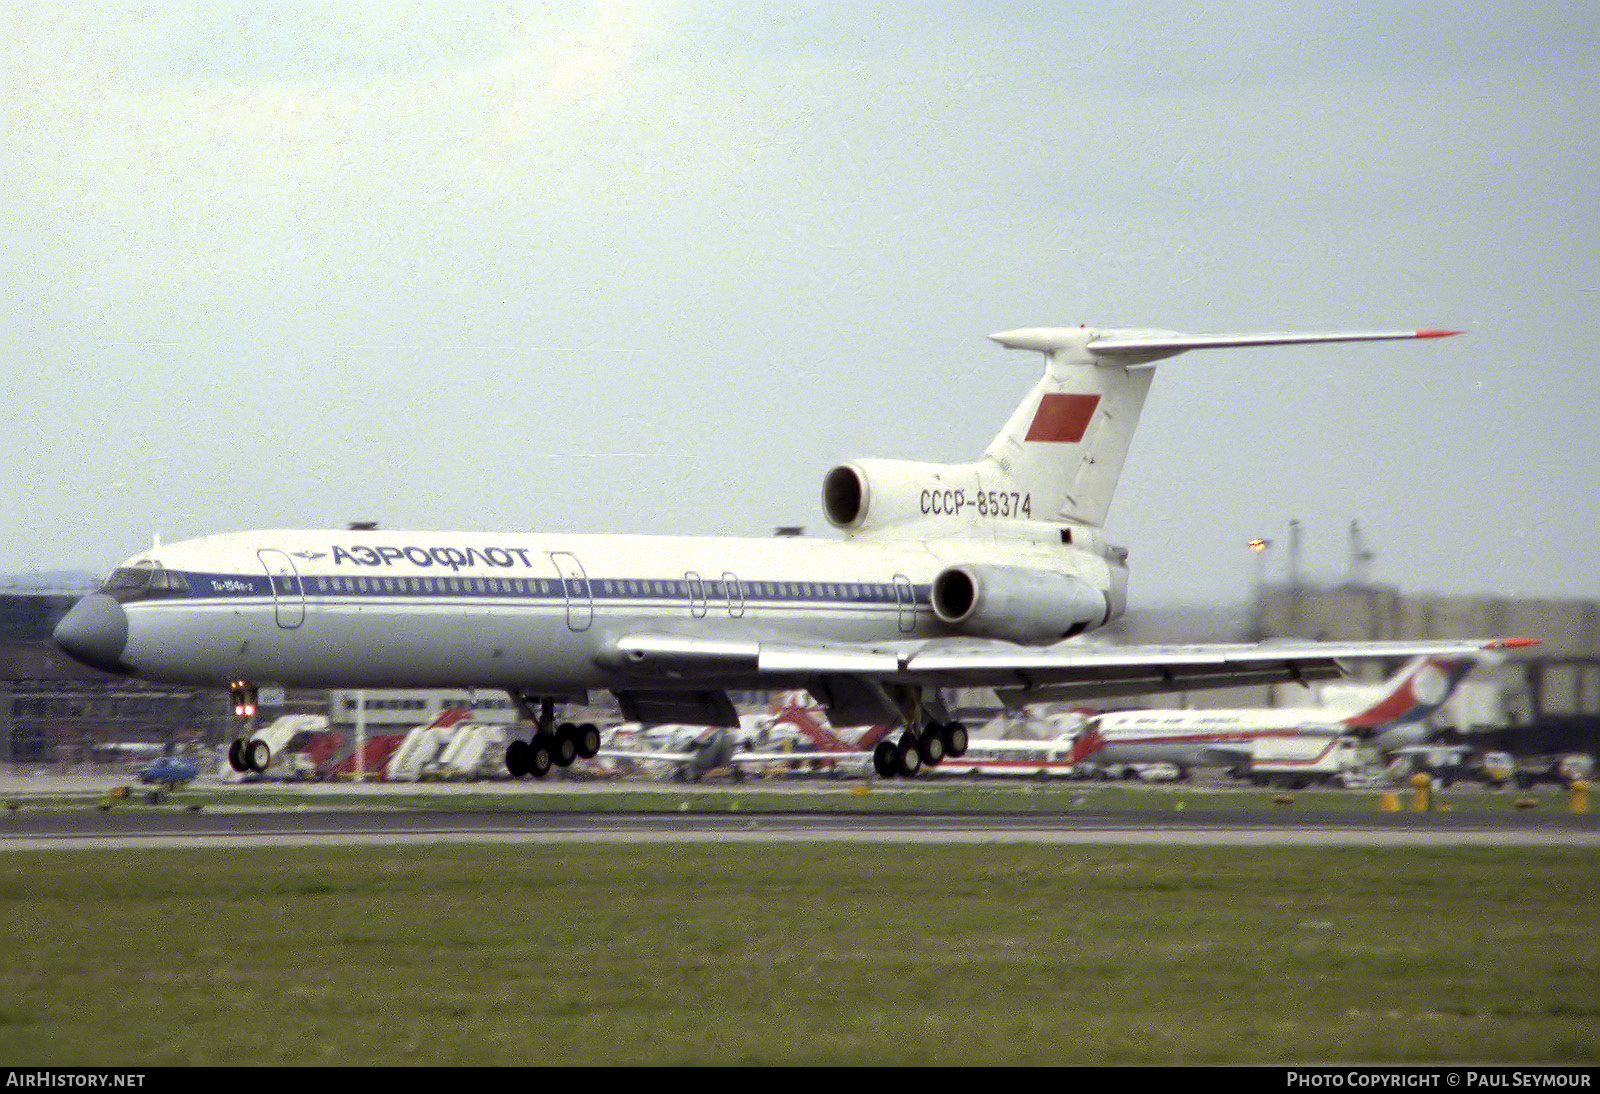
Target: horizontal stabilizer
<point>1143,346</point>
<point>1165,345</point>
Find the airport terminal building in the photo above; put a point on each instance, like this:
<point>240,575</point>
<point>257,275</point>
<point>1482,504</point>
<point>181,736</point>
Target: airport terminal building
<point>56,712</point>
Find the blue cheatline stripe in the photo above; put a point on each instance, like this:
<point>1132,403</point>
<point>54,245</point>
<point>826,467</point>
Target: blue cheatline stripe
<point>710,593</point>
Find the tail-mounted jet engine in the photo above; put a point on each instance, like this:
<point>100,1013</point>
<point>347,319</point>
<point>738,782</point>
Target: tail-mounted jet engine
<point>871,494</point>
<point>1019,605</point>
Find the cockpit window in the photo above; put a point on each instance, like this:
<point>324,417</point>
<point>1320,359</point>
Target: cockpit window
<point>143,579</point>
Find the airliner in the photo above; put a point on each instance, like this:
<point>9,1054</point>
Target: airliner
<point>1228,738</point>
<point>970,574</point>
<point>1007,757</point>
<point>1018,758</point>
<point>695,752</point>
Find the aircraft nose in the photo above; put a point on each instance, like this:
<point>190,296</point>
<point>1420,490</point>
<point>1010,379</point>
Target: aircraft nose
<point>95,632</point>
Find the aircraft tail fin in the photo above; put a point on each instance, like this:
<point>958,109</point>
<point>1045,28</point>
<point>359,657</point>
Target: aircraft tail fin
<point>1059,456</point>
<point>1066,443</point>
<point>1420,687</point>
<point>1086,744</point>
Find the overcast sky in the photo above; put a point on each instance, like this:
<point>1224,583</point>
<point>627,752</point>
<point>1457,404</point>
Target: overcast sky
<point>656,267</point>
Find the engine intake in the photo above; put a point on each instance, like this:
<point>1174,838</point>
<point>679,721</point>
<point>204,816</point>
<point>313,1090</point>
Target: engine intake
<point>869,495</point>
<point>844,496</point>
<point>1019,605</point>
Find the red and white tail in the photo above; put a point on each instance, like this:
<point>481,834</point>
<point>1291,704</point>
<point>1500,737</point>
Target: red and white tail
<point>1052,469</point>
<point>1086,744</point>
<point>1065,445</point>
<point>1416,691</point>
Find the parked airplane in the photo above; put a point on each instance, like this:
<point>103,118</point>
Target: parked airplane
<point>1007,757</point>
<point>1017,758</point>
<point>699,750</point>
<point>949,575</point>
<point>1229,738</point>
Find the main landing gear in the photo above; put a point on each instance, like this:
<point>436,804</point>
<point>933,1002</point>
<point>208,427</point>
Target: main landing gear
<point>552,745</point>
<point>914,751</point>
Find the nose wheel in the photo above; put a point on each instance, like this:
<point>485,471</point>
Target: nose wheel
<point>246,755</point>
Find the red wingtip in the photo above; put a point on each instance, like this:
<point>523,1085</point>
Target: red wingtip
<point>1510,643</point>
<point>1436,333</point>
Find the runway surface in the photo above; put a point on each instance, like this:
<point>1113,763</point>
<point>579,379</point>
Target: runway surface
<point>133,827</point>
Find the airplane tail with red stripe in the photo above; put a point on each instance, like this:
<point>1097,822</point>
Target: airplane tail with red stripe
<point>1420,687</point>
<point>381,747</point>
<point>1085,744</point>
<point>450,716</point>
<point>1065,445</point>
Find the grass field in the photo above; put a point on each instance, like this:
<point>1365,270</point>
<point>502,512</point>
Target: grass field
<point>824,795</point>
<point>778,953</point>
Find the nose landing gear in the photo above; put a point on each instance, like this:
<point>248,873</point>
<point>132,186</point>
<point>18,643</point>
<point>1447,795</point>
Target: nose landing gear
<point>246,755</point>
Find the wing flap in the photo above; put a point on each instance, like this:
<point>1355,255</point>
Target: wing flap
<point>688,656</point>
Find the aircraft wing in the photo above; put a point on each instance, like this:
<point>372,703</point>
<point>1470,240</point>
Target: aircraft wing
<point>1020,674</point>
<point>1072,671</point>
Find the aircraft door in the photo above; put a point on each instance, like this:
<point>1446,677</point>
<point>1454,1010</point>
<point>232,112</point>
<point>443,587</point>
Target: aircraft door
<point>906,600</point>
<point>697,594</point>
<point>575,583</point>
<point>288,598</point>
<point>735,593</point>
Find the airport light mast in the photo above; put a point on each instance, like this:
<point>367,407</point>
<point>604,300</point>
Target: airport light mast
<point>1259,547</point>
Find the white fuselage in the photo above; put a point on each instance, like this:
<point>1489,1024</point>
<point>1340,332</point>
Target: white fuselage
<point>539,612</point>
<point>1201,737</point>
<point>1015,759</point>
